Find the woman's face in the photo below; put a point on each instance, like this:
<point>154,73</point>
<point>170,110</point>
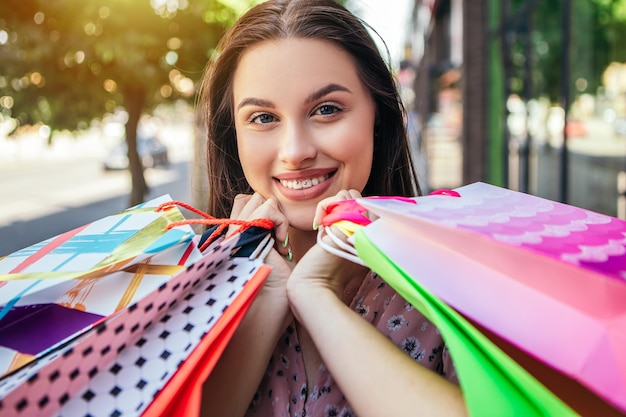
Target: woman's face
<point>304,122</point>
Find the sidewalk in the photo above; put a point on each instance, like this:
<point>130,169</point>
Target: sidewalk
<point>20,234</point>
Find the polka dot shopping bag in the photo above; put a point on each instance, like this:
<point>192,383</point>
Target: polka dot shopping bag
<point>146,354</point>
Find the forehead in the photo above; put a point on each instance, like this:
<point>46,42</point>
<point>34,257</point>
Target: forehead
<point>295,65</point>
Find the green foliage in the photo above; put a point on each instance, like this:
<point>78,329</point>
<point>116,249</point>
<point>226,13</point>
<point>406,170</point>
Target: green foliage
<point>598,29</point>
<point>66,62</point>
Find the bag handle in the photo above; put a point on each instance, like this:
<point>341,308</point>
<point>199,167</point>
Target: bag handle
<point>208,220</point>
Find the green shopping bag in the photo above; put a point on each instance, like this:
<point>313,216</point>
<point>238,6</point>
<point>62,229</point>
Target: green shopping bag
<point>493,384</point>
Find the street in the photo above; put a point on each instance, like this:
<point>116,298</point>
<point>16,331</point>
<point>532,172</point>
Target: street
<point>51,192</point>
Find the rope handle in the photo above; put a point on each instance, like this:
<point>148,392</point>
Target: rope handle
<point>208,220</point>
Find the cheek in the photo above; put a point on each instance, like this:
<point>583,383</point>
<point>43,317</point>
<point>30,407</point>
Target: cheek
<point>364,167</point>
<point>252,159</point>
<point>355,149</point>
<point>243,151</point>
<point>361,142</point>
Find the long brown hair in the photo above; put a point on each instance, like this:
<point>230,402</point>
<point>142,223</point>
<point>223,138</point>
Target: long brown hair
<point>392,171</point>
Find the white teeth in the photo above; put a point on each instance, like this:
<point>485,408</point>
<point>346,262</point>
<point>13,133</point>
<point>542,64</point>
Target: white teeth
<point>304,184</point>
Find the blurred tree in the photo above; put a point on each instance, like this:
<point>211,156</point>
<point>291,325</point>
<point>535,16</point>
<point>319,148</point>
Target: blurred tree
<point>598,33</point>
<point>67,62</point>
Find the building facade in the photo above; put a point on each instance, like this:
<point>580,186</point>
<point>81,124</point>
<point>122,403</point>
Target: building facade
<point>526,94</point>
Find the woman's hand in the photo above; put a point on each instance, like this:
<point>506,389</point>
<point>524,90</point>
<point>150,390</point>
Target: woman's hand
<point>242,365</point>
<point>255,206</point>
<point>319,269</point>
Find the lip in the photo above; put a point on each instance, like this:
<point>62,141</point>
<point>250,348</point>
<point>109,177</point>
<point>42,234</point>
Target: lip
<point>306,173</point>
<point>308,193</point>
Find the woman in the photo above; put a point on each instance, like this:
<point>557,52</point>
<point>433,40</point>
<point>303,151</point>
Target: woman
<point>302,111</point>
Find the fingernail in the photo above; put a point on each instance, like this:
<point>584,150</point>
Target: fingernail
<point>286,242</point>
<point>315,226</point>
<point>289,256</point>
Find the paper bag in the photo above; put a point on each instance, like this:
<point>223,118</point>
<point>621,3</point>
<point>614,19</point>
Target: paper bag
<point>545,277</point>
<point>493,384</point>
<point>59,288</point>
<point>153,354</point>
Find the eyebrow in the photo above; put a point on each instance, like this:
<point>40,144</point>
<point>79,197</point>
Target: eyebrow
<point>255,102</point>
<point>326,90</point>
<point>252,101</point>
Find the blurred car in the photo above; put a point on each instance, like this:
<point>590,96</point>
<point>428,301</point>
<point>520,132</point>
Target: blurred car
<point>153,154</point>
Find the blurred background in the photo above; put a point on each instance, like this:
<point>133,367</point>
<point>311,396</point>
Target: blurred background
<point>97,100</point>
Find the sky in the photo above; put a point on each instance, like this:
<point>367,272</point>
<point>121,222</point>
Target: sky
<point>389,18</point>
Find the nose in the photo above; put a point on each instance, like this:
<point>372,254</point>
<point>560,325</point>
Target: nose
<point>297,146</point>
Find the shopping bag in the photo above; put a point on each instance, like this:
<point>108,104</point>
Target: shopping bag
<point>57,289</point>
<point>545,277</point>
<point>128,358</point>
<point>182,394</point>
<point>493,384</point>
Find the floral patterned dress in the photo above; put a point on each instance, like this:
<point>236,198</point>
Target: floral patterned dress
<point>283,391</point>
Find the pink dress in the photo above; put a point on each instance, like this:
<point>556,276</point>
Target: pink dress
<point>283,391</point>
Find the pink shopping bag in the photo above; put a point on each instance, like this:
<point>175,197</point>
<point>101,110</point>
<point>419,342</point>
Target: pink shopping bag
<point>546,278</point>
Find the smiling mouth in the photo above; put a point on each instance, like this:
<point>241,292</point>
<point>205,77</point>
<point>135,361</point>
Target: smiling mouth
<point>305,183</point>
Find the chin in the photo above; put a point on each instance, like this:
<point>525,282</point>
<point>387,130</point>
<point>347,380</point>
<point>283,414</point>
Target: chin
<point>301,219</point>
<point>302,225</point>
